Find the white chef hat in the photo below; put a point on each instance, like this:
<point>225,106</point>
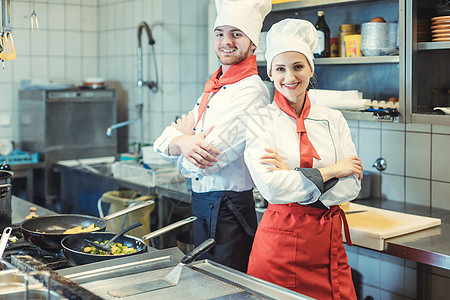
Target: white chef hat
<point>246,15</point>
<point>291,35</point>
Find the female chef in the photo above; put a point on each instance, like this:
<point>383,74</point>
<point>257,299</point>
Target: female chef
<point>303,161</point>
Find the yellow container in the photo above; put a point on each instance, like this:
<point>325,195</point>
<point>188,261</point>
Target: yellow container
<point>352,45</point>
<point>122,199</point>
<point>282,1</point>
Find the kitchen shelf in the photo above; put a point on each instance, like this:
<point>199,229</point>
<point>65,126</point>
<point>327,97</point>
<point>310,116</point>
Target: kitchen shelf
<point>426,119</point>
<point>433,45</point>
<point>366,116</point>
<point>357,60</point>
<point>311,3</point>
<point>351,60</point>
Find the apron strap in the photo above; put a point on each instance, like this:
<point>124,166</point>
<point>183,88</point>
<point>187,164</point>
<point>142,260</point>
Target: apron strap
<point>335,214</point>
<point>214,217</point>
<point>239,217</point>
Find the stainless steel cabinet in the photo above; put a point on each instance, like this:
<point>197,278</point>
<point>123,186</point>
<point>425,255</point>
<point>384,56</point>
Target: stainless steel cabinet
<point>428,64</point>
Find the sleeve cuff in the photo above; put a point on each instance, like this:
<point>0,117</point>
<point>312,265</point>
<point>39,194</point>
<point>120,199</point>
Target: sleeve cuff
<point>315,176</point>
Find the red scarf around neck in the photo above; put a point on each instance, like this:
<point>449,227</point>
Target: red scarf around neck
<point>307,150</point>
<point>235,73</point>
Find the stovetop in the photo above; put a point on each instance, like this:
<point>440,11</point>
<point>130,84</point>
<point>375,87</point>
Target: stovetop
<point>17,245</point>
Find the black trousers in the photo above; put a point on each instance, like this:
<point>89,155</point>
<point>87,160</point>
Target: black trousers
<point>230,218</point>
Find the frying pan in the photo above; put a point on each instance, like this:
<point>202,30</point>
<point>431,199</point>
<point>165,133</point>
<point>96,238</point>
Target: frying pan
<point>47,231</point>
<point>73,245</point>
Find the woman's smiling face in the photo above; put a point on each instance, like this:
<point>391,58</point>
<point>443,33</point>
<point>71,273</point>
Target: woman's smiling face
<point>291,73</point>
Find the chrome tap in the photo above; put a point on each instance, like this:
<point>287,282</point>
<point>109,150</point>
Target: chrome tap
<point>152,85</point>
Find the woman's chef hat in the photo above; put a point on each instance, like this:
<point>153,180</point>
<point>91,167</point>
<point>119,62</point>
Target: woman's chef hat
<point>246,15</point>
<point>291,35</point>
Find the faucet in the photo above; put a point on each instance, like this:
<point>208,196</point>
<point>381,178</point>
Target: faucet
<point>152,85</point>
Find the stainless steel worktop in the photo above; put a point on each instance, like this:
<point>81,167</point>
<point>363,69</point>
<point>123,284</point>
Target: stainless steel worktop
<point>430,246</point>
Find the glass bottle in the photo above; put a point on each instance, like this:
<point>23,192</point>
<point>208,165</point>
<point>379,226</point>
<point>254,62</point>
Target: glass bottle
<point>323,31</point>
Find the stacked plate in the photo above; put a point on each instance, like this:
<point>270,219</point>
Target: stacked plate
<point>440,29</point>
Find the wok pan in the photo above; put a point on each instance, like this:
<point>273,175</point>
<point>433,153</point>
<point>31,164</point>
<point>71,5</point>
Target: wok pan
<point>48,231</point>
<point>73,245</point>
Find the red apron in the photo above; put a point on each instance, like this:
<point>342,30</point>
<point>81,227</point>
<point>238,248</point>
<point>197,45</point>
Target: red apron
<point>301,248</point>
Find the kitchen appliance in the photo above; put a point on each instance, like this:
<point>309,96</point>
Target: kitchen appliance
<point>65,124</point>
<point>5,198</point>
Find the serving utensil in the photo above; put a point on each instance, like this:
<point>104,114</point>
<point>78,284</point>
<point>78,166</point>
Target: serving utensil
<point>33,17</point>
<point>107,246</point>
<point>4,240</point>
<point>170,280</point>
<point>9,51</point>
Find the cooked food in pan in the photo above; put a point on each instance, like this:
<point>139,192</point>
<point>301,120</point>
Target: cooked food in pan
<point>116,249</point>
<point>80,229</point>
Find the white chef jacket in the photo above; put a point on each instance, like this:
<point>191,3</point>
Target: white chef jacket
<point>228,110</point>
<point>328,132</point>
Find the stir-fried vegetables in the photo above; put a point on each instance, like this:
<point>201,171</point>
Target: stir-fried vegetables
<point>80,229</point>
<point>116,249</point>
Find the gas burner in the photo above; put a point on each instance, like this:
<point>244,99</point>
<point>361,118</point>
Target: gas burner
<point>53,260</point>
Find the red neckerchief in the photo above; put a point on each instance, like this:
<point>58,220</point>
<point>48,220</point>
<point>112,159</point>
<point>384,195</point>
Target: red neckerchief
<point>307,150</point>
<point>235,73</point>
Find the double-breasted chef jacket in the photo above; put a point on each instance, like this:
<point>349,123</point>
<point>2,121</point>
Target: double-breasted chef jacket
<point>328,132</point>
<point>222,196</point>
<point>299,243</point>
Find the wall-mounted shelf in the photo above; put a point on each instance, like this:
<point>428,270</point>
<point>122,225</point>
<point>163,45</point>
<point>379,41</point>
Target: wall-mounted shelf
<point>367,116</point>
<point>351,60</point>
<point>310,3</point>
<point>433,45</point>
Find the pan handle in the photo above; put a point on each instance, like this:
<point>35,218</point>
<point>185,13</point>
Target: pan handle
<point>199,250</point>
<point>128,210</point>
<point>168,228</point>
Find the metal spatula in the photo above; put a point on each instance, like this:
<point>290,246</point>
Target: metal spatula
<point>170,280</point>
<point>4,240</point>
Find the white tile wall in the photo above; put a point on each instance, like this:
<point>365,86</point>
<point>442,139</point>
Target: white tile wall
<point>418,154</point>
<point>393,150</point>
<point>440,158</point>
<point>418,191</point>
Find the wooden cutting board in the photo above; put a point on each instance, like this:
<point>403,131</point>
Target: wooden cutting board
<point>370,228</point>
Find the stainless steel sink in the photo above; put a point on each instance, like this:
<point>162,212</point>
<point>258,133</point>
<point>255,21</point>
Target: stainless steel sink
<point>35,294</point>
<point>17,285</point>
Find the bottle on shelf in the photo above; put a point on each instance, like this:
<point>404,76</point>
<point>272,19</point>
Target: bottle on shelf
<point>323,31</point>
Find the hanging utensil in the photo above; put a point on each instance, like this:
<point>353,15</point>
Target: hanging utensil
<point>3,32</point>
<point>4,240</point>
<point>9,51</point>
<point>33,17</point>
<point>107,246</point>
<point>170,280</point>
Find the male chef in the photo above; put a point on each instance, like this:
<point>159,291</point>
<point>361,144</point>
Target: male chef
<point>209,142</point>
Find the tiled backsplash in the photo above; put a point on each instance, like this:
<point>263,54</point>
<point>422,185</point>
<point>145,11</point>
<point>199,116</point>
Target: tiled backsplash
<point>417,163</point>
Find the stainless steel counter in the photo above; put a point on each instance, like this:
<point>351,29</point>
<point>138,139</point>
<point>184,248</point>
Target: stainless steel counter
<point>430,246</point>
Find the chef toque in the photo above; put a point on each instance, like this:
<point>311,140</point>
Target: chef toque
<point>246,15</point>
<point>291,35</point>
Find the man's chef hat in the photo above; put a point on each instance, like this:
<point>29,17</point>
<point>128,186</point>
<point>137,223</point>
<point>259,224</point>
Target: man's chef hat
<point>291,35</point>
<point>246,15</point>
